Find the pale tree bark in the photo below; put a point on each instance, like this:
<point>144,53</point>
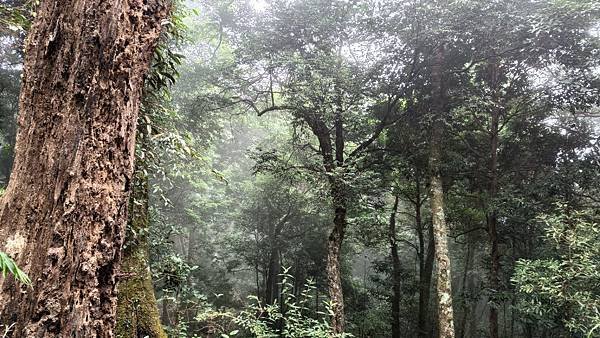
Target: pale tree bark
<point>440,229</point>
<point>65,209</point>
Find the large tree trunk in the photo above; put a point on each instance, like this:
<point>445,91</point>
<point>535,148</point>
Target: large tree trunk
<point>137,311</point>
<point>65,209</point>
<point>440,230</point>
<point>397,293</point>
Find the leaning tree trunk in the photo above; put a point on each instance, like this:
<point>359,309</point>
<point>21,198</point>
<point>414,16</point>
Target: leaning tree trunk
<point>440,229</point>
<point>137,311</point>
<point>64,212</point>
<point>396,272</point>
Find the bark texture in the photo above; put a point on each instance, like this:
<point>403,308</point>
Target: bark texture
<point>65,209</point>
<point>137,311</point>
<point>440,230</point>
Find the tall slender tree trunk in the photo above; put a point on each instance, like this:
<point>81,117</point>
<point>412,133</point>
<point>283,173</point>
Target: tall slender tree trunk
<point>397,293</point>
<point>65,209</point>
<point>492,215</point>
<point>425,275</point>
<point>338,196</point>
<point>492,220</point>
<point>426,257</point>
<point>334,271</point>
<point>462,325</point>
<point>440,230</point>
<point>274,269</point>
<point>137,311</point>
<point>336,237</point>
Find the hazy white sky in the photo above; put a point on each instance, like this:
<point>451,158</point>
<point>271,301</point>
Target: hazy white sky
<point>259,5</point>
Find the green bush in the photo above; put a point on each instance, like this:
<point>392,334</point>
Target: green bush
<point>290,318</point>
<point>564,288</point>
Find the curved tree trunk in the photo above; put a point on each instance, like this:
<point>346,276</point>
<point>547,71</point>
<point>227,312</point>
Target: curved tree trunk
<point>440,229</point>
<point>64,212</point>
<point>137,311</point>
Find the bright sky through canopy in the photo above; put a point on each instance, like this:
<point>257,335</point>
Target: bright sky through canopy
<point>259,5</point>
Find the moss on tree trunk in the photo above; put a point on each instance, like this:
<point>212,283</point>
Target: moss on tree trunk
<point>137,312</point>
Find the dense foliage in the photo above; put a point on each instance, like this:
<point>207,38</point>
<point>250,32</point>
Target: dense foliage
<point>287,148</point>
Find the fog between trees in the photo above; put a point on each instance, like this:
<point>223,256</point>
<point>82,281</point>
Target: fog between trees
<point>284,168</point>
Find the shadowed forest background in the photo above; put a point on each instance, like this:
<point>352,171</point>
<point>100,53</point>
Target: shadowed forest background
<point>350,168</point>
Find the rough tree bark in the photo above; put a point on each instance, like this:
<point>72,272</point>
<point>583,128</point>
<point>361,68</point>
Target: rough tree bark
<point>64,212</point>
<point>440,230</point>
<point>137,310</point>
<point>397,292</point>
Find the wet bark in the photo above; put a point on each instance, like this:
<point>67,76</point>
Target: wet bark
<point>396,277</point>
<point>440,230</point>
<point>65,209</point>
<point>137,311</point>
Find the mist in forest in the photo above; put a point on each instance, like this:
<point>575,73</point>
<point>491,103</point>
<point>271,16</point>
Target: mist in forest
<point>287,168</point>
